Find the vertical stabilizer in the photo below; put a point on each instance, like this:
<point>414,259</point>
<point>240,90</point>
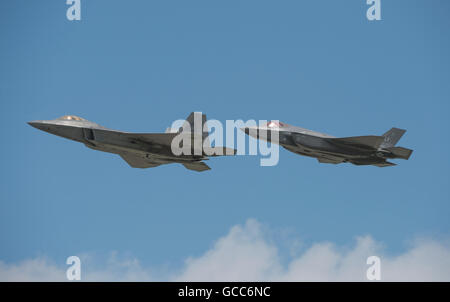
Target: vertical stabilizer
<point>392,137</point>
<point>196,122</point>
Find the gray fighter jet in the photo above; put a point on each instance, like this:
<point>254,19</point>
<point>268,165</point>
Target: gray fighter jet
<point>358,150</point>
<point>139,150</point>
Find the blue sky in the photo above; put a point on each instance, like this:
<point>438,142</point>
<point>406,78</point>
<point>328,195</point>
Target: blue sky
<point>140,65</point>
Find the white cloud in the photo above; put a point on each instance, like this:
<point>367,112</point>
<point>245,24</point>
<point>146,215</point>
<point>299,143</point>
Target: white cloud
<point>38,269</point>
<point>41,269</point>
<point>245,254</point>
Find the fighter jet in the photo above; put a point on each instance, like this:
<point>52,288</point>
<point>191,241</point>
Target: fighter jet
<point>139,150</point>
<point>358,150</point>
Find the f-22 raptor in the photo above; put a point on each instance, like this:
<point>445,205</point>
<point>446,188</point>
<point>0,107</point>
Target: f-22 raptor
<point>139,150</point>
<point>358,150</point>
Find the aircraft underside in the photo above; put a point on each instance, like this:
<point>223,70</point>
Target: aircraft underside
<point>141,158</point>
<point>323,156</point>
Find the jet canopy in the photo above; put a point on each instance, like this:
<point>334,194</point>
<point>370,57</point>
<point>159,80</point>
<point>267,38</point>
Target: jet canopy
<point>71,118</point>
<point>275,124</point>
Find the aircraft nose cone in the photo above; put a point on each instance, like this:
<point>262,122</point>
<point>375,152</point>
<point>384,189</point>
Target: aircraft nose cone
<point>35,124</point>
<point>39,125</point>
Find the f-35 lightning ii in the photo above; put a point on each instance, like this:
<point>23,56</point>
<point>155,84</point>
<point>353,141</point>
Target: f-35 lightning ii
<point>358,150</point>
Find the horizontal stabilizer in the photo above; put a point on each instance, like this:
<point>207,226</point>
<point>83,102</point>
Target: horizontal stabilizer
<point>385,164</point>
<point>197,166</point>
<point>137,162</point>
<point>371,141</point>
<point>400,152</point>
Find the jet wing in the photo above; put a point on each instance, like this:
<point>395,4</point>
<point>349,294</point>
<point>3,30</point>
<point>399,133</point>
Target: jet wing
<point>371,141</point>
<point>219,151</point>
<point>197,166</point>
<point>166,139</point>
<point>138,162</point>
<point>163,138</point>
<point>154,138</point>
<point>385,164</point>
